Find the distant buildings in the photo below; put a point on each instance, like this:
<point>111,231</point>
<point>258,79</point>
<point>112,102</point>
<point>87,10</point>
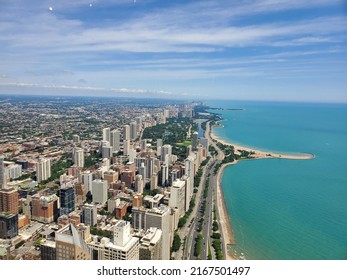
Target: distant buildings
<point>78,157</point>
<point>43,169</point>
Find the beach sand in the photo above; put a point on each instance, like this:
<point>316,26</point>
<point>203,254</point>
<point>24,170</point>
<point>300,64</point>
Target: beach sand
<point>262,154</point>
<point>224,219</point>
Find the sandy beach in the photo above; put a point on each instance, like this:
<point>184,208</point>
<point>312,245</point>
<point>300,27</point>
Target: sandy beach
<point>262,154</point>
<point>224,219</point>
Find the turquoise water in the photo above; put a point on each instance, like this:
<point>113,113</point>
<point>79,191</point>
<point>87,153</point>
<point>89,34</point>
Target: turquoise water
<point>287,209</point>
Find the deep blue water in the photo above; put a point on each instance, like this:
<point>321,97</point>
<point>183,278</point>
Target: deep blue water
<point>287,209</point>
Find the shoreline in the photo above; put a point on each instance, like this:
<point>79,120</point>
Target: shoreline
<point>223,214</point>
<point>224,218</point>
<point>258,154</point>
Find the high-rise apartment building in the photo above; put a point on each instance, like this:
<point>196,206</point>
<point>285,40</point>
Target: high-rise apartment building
<point>99,191</point>
<point>106,134</point>
<point>126,147</point>
<point>89,214</point>
<point>115,140</point>
<point>166,152</point>
<point>43,169</point>
<point>177,196</point>
<point>195,140</point>
<point>14,171</point>
<point>126,132</point>
<point>78,157</point>
<point>9,200</point>
<point>87,178</point>
<point>133,131</point>
<point>158,217</point>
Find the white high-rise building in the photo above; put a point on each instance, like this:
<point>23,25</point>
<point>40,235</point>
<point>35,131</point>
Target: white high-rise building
<point>14,171</point>
<point>133,131</point>
<point>139,184</point>
<point>189,172</point>
<point>78,157</point>
<point>106,151</point>
<point>115,140</point>
<point>159,145</point>
<point>126,132</point>
<point>106,134</point>
<point>142,171</point>
<point>99,191</point>
<point>166,152</point>
<point>43,169</point>
<point>132,155</point>
<point>161,218</point>
<point>126,147</point>
<point>177,196</point>
<point>87,178</point>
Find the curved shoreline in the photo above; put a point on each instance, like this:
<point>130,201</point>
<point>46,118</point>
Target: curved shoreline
<point>224,217</point>
<point>258,154</point>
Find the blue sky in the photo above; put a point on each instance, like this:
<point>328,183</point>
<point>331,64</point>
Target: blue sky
<point>287,50</point>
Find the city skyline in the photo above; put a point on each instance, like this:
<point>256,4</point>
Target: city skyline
<point>277,50</point>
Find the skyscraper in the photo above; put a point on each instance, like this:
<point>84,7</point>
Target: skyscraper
<point>89,215</point>
<point>43,169</point>
<point>126,132</point>
<point>177,196</point>
<point>115,140</point>
<point>166,150</point>
<point>133,131</point>
<point>87,178</point>
<point>99,191</point>
<point>160,218</point>
<point>106,134</point>
<point>78,157</point>
<point>195,140</point>
<point>67,200</point>
<point>126,147</point>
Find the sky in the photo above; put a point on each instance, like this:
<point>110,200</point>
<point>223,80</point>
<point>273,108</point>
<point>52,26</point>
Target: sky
<point>281,50</point>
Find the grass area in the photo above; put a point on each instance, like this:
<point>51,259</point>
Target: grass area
<point>186,143</point>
